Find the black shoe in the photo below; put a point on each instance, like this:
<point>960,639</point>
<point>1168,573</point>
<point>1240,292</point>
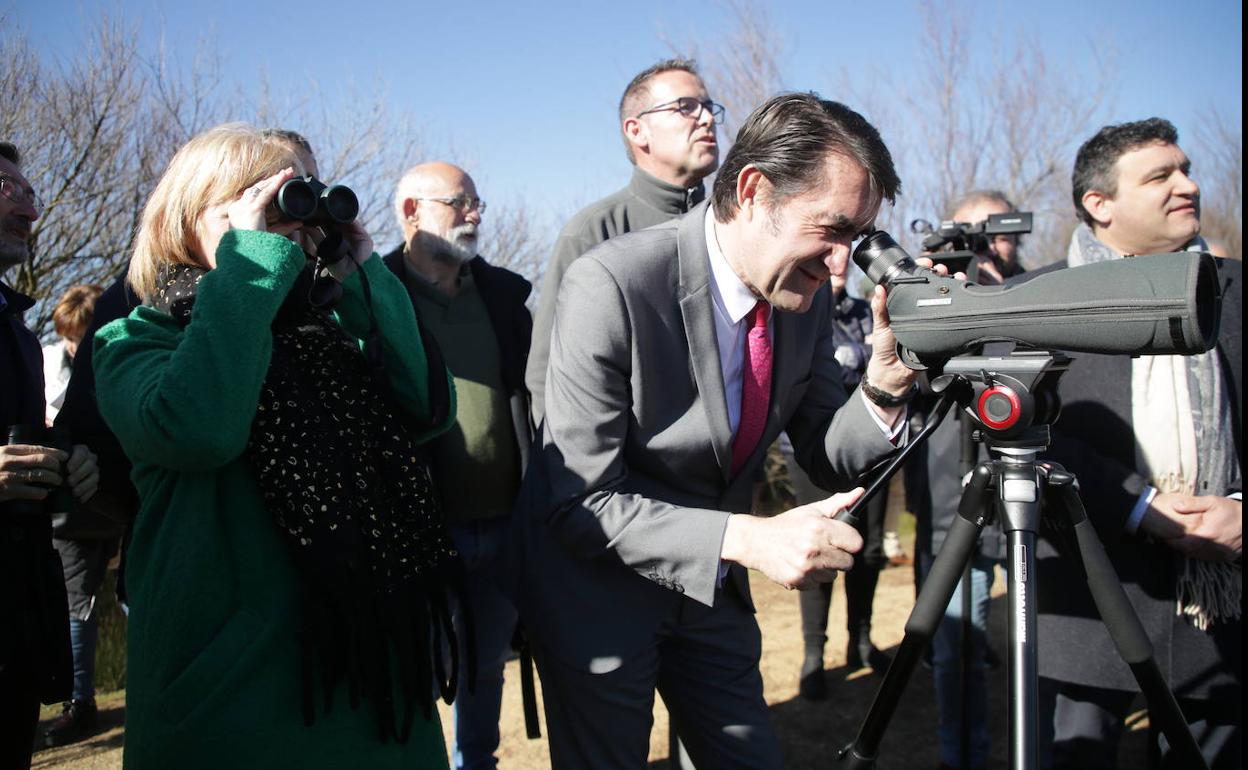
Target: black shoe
<point>77,720</point>
<point>812,685</point>
<point>862,653</point>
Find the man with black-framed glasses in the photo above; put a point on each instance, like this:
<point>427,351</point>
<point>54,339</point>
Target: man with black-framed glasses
<point>668,123</point>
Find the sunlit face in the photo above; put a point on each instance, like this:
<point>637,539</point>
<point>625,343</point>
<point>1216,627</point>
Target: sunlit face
<point>447,232</point>
<point>1157,205</point>
<point>16,217</point>
<point>680,147</point>
<point>803,241</point>
<point>1003,247</point>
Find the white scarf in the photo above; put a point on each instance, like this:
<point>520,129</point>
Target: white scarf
<point>1181,419</point>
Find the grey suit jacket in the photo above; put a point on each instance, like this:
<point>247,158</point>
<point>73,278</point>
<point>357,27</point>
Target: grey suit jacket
<point>625,503</point>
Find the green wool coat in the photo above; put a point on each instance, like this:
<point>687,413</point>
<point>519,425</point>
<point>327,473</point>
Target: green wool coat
<point>213,657</point>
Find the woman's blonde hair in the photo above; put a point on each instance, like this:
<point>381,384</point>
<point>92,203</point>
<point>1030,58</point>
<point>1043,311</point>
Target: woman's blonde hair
<point>214,167</point>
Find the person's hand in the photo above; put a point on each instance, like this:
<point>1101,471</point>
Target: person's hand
<point>1206,527</point>
<point>28,471</point>
<point>885,370</point>
<point>987,270</point>
<point>84,473</point>
<point>799,548</point>
<point>1160,518</point>
<point>359,245</point>
<point>248,212</point>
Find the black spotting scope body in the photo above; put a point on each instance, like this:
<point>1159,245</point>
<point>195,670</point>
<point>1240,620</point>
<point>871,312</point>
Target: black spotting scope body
<point>1148,305</point>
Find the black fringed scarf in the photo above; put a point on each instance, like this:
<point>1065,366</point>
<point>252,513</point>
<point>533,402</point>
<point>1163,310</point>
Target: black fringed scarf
<point>351,492</point>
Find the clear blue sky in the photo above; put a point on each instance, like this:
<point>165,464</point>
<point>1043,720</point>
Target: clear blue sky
<point>525,92</point>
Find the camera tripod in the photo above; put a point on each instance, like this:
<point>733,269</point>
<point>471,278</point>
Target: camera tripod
<point>1013,399</point>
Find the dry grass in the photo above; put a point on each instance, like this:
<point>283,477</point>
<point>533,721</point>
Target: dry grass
<point>809,732</point>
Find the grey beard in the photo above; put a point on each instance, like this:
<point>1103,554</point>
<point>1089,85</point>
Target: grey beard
<point>450,249</point>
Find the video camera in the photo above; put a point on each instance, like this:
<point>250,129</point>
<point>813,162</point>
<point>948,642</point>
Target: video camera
<point>955,244</point>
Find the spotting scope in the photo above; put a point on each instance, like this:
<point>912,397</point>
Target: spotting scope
<point>1145,305</point>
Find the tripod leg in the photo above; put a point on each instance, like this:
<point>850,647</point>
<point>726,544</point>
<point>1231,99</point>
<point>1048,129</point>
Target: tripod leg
<point>1125,628</point>
<point>1021,639</point>
<point>928,610</point>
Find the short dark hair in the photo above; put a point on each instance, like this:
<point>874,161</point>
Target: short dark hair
<point>1096,159</point>
<point>9,152</point>
<point>788,138</point>
<point>637,92</point>
<point>293,138</point>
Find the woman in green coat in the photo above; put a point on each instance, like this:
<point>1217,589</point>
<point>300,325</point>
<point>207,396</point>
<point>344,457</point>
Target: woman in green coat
<point>287,571</point>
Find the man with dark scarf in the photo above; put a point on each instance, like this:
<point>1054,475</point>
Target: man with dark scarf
<point>1155,443</point>
<point>668,124</point>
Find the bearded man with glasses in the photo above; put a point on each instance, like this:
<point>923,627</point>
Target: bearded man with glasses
<point>668,123</point>
<point>475,312</point>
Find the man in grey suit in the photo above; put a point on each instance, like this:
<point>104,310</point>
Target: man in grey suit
<point>669,376</point>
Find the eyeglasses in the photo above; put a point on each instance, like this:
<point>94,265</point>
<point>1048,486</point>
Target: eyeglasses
<point>14,191</point>
<point>689,107</point>
<point>463,203</point>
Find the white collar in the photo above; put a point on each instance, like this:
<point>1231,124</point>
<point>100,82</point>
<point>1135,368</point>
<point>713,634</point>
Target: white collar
<point>734,297</point>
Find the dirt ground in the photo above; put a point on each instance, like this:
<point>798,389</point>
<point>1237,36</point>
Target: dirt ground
<point>809,732</point>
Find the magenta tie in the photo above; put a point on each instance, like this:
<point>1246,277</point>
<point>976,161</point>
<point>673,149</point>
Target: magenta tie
<point>755,387</point>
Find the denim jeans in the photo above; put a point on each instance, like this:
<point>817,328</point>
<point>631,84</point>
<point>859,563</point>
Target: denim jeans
<point>947,669</point>
<point>83,635</point>
<point>481,545</point>
<point>84,564</point>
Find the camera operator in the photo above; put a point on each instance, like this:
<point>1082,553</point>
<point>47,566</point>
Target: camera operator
<point>35,664</point>
<point>285,509</point>
<point>1155,443</point>
<point>933,489</point>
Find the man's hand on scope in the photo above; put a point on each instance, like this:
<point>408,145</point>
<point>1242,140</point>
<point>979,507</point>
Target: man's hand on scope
<point>885,370</point>
<point>799,548</point>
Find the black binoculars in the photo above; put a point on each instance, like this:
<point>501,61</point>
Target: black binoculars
<point>310,200</point>
<point>61,498</point>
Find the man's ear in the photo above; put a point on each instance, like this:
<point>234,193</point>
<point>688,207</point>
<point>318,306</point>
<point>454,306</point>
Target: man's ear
<point>753,191</point>
<point>411,212</point>
<point>1099,206</point>
<point>637,133</point>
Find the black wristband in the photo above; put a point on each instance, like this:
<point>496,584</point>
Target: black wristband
<point>883,397</point>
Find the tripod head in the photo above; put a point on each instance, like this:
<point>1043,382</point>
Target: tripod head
<point>1011,396</point>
